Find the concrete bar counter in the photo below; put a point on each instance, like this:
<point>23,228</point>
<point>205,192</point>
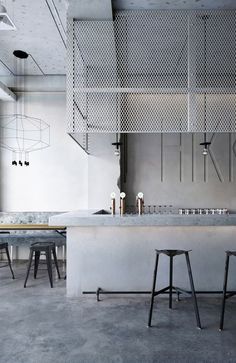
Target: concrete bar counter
<point>117,253</point>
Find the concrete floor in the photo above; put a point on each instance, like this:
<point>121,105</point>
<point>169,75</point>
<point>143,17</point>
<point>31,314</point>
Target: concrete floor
<point>40,324</point>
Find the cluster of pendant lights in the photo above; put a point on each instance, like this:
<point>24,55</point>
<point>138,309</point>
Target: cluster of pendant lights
<point>21,160</point>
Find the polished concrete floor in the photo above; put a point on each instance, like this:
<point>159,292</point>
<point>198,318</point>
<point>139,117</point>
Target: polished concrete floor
<point>40,324</point>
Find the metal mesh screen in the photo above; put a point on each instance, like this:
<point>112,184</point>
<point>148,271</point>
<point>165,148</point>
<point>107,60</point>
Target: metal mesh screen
<point>153,71</point>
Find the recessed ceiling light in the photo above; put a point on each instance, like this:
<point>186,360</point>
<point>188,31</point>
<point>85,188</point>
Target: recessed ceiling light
<point>5,21</point>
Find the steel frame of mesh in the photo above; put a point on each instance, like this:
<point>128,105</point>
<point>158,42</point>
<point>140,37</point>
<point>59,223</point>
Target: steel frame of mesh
<point>152,72</point>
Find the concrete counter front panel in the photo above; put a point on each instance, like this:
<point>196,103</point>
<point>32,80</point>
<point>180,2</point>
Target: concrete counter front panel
<point>122,258</point>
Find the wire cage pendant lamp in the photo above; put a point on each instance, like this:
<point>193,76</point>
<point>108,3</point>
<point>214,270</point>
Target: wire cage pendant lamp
<point>20,133</point>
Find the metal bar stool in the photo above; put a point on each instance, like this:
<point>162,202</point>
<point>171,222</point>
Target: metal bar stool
<point>48,249</point>
<point>171,254</point>
<point>226,295</point>
<point>4,249</point>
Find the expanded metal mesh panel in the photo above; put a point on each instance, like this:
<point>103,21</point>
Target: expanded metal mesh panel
<point>153,71</point>
<point>215,41</point>
<point>216,112</point>
<point>152,48</point>
<point>142,110</point>
<point>152,110</point>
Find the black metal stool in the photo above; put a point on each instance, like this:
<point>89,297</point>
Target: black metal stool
<point>46,248</point>
<point>171,254</point>
<point>226,295</point>
<point>4,249</point>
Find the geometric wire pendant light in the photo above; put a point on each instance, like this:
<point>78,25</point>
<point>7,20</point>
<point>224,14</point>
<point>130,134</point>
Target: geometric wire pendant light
<point>20,133</point>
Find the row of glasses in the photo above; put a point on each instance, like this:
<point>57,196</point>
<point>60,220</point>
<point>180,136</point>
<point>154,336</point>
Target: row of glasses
<point>205,211</point>
<point>151,209</point>
<point>158,209</point>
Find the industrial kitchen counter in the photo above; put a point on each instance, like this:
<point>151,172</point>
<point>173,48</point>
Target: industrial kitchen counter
<point>117,253</point>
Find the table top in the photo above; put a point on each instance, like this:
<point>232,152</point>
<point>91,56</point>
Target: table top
<point>30,227</point>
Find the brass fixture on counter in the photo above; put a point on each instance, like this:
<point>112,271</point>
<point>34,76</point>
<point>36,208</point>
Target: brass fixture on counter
<point>122,203</point>
<point>140,203</point>
<point>113,203</point>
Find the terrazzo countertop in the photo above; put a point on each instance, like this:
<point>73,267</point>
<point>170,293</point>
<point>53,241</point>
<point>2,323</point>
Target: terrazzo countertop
<point>87,218</point>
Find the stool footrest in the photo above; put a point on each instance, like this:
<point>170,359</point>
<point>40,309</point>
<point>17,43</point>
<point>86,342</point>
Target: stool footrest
<point>182,291</point>
<point>230,294</point>
<point>161,291</point>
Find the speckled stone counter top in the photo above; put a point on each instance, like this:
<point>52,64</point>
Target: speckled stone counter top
<point>87,218</point>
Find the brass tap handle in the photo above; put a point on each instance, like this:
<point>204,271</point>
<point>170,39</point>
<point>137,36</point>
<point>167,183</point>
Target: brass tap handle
<point>122,203</point>
<point>113,203</point>
<point>140,203</point>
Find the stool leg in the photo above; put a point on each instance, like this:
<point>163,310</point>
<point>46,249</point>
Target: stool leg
<point>193,290</point>
<point>49,266</point>
<point>153,290</point>
<point>11,253</point>
<point>224,292</point>
<point>63,253</point>
<point>56,263</point>
<point>9,262</point>
<point>36,263</point>
<point>29,266</point>
<point>171,282</point>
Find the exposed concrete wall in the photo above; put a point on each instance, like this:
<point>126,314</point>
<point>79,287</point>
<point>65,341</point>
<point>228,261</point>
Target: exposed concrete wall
<point>170,169</point>
<point>57,177</point>
<point>62,177</point>
<point>103,171</point>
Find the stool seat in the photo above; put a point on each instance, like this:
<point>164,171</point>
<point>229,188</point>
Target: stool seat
<point>171,253</point>
<point>231,253</point>
<point>4,249</point>
<point>42,246</point>
<point>48,248</point>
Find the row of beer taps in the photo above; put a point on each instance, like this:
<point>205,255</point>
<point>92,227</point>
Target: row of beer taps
<point>139,203</point>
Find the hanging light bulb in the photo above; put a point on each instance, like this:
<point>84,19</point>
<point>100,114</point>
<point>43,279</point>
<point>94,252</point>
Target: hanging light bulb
<point>117,152</point>
<point>205,145</point>
<point>205,151</point>
<point>20,159</point>
<point>117,144</point>
<point>26,159</point>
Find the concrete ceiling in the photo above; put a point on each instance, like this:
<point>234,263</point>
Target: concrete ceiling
<point>90,9</point>
<point>41,26</point>
<point>173,4</point>
<point>6,94</point>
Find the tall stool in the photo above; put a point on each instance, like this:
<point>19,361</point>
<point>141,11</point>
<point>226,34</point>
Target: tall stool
<point>4,249</point>
<point>226,295</point>
<point>47,249</point>
<point>171,254</point>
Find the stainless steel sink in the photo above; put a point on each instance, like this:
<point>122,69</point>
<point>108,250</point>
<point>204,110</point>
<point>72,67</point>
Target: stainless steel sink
<point>102,211</point>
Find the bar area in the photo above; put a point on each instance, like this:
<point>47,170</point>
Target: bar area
<point>117,183</point>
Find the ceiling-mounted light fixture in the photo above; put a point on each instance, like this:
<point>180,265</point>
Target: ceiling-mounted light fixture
<point>117,144</point>
<point>5,21</point>
<point>205,143</point>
